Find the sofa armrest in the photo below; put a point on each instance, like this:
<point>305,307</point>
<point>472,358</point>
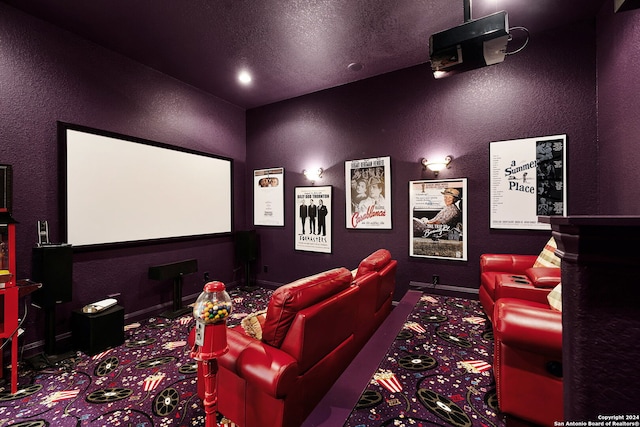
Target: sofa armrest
<point>522,291</point>
<point>507,263</point>
<point>544,277</point>
<point>267,368</point>
<point>529,326</point>
<point>237,341</point>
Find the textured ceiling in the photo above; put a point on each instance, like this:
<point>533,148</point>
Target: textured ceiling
<point>292,47</point>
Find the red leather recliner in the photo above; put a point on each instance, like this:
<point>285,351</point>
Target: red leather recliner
<point>313,329</point>
<point>514,276</point>
<point>528,360</point>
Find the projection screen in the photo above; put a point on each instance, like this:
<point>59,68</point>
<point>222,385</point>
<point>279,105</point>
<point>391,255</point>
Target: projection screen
<point>119,189</point>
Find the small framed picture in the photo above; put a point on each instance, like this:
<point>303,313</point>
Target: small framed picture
<point>268,197</point>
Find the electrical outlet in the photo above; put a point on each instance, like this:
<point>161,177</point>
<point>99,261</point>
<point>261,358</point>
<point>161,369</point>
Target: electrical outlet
<point>436,279</point>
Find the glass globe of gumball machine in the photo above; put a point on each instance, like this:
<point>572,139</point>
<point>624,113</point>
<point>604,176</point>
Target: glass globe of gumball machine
<point>211,310</point>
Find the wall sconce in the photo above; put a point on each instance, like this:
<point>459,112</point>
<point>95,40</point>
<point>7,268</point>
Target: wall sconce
<point>313,175</point>
<point>437,165</point>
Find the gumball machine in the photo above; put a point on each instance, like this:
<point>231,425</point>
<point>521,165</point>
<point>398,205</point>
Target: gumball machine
<point>211,310</point>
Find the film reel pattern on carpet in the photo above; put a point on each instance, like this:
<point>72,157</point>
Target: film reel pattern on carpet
<point>437,372</point>
<point>148,381</point>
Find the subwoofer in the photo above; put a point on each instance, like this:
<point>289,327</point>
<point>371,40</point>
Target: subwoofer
<point>52,266</point>
<point>94,333</point>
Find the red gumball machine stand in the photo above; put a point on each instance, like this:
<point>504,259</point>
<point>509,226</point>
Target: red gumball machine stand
<point>211,310</point>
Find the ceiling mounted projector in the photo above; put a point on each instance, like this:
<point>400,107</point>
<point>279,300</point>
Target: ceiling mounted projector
<point>474,44</point>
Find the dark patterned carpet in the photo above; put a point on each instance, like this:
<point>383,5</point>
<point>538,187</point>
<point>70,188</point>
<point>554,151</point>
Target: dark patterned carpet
<point>438,372</point>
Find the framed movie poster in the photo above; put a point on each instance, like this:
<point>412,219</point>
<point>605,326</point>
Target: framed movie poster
<point>438,219</point>
<point>368,193</point>
<point>313,219</point>
<point>268,197</point>
<point>528,179</point>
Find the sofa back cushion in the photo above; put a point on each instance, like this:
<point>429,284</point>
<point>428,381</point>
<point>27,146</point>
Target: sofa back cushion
<point>380,262</point>
<point>374,262</point>
<point>387,284</point>
<point>325,331</point>
<point>289,299</point>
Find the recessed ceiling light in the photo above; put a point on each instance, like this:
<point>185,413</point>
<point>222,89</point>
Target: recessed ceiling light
<point>244,77</point>
<point>355,66</point>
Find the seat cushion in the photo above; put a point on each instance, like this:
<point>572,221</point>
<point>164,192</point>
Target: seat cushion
<point>287,300</point>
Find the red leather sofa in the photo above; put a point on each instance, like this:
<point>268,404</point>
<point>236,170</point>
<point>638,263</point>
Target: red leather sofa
<point>528,360</point>
<point>313,329</point>
<point>527,335</point>
<point>514,276</point>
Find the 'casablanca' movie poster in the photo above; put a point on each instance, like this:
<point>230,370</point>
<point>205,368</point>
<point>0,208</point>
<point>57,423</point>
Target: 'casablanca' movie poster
<point>368,192</point>
<point>313,219</point>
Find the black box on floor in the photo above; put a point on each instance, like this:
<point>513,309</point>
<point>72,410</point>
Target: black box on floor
<point>93,333</point>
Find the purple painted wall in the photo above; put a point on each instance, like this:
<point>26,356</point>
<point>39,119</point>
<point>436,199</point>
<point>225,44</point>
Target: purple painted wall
<point>409,115</point>
<point>618,110</point>
<point>48,75</point>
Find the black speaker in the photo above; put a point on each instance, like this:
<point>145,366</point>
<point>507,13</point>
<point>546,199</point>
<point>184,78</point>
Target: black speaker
<point>93,333</point>
<point>173,270</point>
<point>52,266</point>
<point>246,245</point>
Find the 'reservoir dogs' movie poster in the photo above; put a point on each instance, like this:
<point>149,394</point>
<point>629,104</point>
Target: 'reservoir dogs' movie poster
<point>313,214</point>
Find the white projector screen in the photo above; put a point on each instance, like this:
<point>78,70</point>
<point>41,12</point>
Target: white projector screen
<point>120,189</point>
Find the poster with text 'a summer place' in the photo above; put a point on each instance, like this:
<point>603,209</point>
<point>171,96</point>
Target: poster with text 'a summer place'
<point>528,180</point>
